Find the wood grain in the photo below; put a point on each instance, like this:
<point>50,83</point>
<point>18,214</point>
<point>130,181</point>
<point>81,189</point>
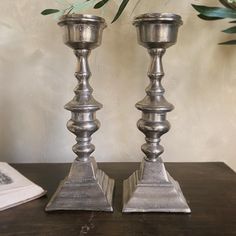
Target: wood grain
<point>210,189</point>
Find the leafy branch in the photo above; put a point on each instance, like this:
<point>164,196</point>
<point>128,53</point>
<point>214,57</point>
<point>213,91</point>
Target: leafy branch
<point>218,13</point>
<point>79,5</point>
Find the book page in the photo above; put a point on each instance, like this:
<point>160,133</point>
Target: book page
<point>16,189</point>
<point>11,179</point>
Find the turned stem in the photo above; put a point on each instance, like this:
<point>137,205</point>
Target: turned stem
<point>154,108</point>
<point>83,107</point>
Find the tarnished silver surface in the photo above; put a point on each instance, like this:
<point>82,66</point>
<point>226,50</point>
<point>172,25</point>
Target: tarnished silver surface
<point>86,187</point>
<point>151,188</point>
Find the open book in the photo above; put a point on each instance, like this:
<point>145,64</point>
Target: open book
<point>16,189</point>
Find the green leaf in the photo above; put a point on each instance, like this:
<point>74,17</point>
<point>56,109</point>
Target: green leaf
<point>101,4</point>
<point>231,30</point>
<point>49,11</point>
<point>80,6</point>
<point>224,3</point>
<point>215,11</point>
<point>209,17</point>
<point>57,15</point>
<point>228,4</point>
<point>120,10</point>
<point>231,42</point>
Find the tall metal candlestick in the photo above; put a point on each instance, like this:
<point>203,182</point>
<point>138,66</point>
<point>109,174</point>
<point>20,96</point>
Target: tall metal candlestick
<point>151,188</point>
<point>86,187</point>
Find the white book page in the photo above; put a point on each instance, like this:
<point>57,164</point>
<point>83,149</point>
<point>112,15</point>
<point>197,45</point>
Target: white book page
<point>20,196</point>
<point>15,188</point>
<point>11,179</point>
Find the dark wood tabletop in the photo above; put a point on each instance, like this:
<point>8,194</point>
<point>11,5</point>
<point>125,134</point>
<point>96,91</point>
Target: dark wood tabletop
<point>210,189</point>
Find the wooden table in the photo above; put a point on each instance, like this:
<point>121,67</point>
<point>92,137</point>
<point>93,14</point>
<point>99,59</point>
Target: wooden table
<point>210,189</point>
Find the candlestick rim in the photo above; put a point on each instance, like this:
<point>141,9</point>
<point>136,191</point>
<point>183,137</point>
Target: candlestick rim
<point>81,18</point>
<point>159,18</point>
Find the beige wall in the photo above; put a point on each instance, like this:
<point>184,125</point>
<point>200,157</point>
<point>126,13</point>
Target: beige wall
<point>36,72</point>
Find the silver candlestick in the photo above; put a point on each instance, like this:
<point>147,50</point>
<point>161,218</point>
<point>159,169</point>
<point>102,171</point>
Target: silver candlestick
<point>151,188</point>
<point>86,187</point>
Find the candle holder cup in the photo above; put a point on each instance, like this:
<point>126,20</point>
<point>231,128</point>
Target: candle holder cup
<point>151,188</point>
<point>86,187</point>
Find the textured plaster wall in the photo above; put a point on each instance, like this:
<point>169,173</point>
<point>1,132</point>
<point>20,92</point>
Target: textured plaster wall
<point>36,80</point>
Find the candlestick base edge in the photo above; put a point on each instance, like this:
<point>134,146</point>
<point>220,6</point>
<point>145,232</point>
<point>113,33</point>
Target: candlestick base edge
<point>85,188</point>
<point>159,195</point>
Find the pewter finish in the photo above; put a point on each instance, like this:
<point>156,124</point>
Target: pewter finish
<point>151,188</point>
<point>158,18</point>
<point>86,187</point>
<point>82,31</point>
<point>157,30</point>
<point>154,107</point>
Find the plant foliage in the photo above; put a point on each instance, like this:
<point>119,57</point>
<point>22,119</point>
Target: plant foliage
<point>79,5</point>
<point>228,11</point>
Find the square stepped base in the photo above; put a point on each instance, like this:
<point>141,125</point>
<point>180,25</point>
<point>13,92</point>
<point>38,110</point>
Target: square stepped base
<point>152,189</point>
<point>86,188</point>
